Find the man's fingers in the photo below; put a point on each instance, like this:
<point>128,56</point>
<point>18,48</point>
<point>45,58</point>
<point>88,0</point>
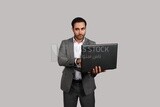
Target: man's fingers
<point>96,69</point>
<point>100,70</point>
<point>93,71</point>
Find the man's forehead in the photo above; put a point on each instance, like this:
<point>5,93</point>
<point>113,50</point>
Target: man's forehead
<point>79,24</point>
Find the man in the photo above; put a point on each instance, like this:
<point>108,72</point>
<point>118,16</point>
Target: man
<point>74,83</point>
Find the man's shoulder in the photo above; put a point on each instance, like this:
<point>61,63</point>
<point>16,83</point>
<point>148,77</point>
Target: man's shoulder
<point>86,39</point>
<point>68,40</point>
<point>90,41</point>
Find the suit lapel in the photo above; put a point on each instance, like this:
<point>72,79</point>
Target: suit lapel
<point>85,41</point>
<point>71,48</point>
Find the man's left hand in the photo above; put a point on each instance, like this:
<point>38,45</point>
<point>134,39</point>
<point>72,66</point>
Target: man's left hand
<point>96,70</point>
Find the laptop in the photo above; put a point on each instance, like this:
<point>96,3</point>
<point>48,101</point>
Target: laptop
<point>104,55</point>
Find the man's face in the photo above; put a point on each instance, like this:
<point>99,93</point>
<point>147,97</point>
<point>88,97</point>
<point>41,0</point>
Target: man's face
<point>79,30</point>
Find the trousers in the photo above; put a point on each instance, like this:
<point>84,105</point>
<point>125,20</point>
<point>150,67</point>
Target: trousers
<point>76,92</point>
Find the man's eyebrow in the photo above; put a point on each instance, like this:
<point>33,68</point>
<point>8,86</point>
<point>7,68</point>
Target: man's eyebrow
<point>76,28</point>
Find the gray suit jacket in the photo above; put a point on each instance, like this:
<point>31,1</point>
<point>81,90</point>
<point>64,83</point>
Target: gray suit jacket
<point>66,59</point>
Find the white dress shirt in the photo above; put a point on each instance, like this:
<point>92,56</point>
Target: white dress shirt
<point>77,54</point>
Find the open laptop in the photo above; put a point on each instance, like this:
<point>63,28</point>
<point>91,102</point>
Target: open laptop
<point>104,55</point>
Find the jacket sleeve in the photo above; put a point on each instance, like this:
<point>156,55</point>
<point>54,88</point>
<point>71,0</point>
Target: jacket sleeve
<point>63,59</point>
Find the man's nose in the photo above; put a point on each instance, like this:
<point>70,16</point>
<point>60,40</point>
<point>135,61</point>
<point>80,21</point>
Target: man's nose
<point>80,31</point>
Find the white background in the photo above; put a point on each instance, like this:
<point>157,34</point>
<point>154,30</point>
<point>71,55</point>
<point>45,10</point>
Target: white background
<point>30,75</point>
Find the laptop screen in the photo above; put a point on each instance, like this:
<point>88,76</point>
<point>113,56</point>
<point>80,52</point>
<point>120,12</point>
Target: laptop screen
<point>104,55</point>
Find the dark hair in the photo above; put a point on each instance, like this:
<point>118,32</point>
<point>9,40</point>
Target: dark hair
<point>78,19</point>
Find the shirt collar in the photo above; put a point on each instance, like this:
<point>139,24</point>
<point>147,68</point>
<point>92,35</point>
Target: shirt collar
<point>74,41</point>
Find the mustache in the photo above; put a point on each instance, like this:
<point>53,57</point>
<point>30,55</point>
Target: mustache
<point>81,35</point>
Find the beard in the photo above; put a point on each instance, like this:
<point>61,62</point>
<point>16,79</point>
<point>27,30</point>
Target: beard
<point>79,37</point>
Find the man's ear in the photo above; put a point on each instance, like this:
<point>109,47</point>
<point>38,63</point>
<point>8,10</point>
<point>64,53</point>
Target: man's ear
<point>72,29</point>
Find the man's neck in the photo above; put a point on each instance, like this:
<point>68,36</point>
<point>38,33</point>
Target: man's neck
<point>79,41</point>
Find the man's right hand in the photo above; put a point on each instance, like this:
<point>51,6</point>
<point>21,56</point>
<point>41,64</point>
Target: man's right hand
<point>78,62</point>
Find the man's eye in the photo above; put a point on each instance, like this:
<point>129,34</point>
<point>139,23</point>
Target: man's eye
<point>83,29</point>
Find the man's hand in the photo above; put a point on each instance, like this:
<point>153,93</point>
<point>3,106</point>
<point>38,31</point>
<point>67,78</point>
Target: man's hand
<point>78,62</point>
<point>96,70</point>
